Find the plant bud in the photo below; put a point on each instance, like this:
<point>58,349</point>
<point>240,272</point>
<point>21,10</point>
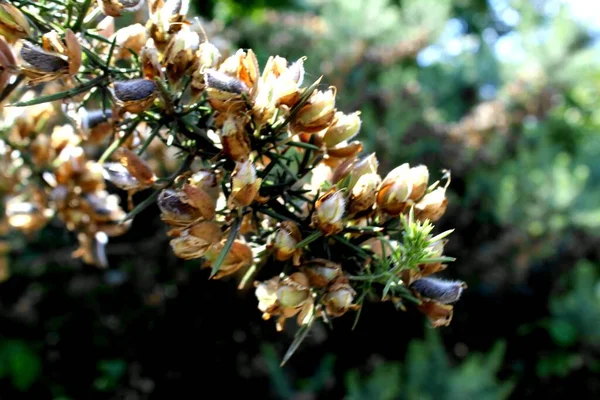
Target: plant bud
<point>286,238</point>
<point>180,53</point>
<point>440,290</point>
<point>13,24</point>
<point>321,272</point>
<point>197,240</point>
<point>240,256</point>
<point>317,114</point>
<point>330,209</point>
<point>419,178</point>
<point>43,60</point>
<point>344,127</point>
<point>129,39</point>
<point>135,95</point>
<point>174,210</point>
<point>395,190</point>
<point>235,139</point>
<point>115,8</point>
<point>432,206</point>
<point>244,184</point>
<point>364,193</point>
<point>338,299</point>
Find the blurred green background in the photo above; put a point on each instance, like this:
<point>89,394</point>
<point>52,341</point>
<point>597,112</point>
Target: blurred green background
<point>503,93</point>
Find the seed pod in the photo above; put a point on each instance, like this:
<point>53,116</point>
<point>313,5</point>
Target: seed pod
<point>13,24</point>
<point>135,95</point>
<point>432,206</point>
<point>440,290</point>
<point>223,82</point>
<point>95,125</point>
<point>329,211</point>
<point>115,8</point>
<point>43,60</point>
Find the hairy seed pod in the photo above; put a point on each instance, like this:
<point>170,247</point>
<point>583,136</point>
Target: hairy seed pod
<point>135,95</point>
<point>41,59</point>
<point>223,82</point>
<point>439,290</point>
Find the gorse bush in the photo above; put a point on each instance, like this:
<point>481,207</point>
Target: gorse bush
<point>268,177</point>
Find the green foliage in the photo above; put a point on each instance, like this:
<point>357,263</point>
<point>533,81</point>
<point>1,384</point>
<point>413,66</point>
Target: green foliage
<point>428,374</point>
<point>19,363</point>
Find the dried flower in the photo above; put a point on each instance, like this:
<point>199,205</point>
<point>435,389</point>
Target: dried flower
<point>330,209</point>
<point>115,8</point>
<point>317,114</point>
<point>13,24</point>
<point>286,238</point>
<point>244,184</point>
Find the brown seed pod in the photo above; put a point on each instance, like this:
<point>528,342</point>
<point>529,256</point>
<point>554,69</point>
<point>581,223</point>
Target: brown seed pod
<point>137,167</point>
<point>135,95</point>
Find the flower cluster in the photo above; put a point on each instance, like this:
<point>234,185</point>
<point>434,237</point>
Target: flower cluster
<point>271,182</point>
